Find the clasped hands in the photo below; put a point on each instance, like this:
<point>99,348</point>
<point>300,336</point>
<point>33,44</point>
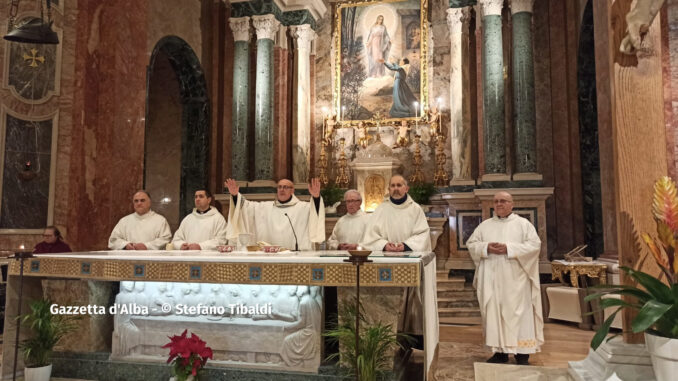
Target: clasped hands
<point>394,247</point>
<point>496,248</point>
<point>135,246</point>
<point>347,246</point>
<point>190,246</point>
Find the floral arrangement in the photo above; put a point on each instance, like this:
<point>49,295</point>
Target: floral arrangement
<point>657,300</point>
<point>187,355</point>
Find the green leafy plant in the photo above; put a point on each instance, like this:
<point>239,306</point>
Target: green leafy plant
<point>421,193</point>
<point>47,330</point>
<point>331,194</point>
<point>657,301</point>
<point>377,342</point>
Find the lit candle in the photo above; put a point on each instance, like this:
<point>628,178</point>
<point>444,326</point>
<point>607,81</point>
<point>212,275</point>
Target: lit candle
<point>343,112</point>
<point>21,247</point>
<point>416,116</point>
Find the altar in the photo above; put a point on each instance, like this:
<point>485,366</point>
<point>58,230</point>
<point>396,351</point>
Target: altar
<point>148,277</point>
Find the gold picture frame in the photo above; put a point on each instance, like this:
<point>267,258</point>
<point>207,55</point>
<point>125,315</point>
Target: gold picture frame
<point>372,81</point>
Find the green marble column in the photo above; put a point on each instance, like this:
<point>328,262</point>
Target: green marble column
<point>525,140</point>
<point>494,146</point>
<point>241,60</point>
<point>266,26</point>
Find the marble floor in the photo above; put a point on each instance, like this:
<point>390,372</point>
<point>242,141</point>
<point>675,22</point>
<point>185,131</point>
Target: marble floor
<point>462,346</point>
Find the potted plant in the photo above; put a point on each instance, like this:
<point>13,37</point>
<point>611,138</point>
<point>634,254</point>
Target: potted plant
<point>657,300</point>
<point>47,330</point>
<point>188,355</point>
<point>332,196</point>
<point>421,193</point>
<point>377,343</point>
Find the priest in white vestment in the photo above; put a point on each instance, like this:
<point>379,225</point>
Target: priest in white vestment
<point>505,250</point>
<point>399,223</point>
<point>142,230</point>
<point>277,222</point>
<point>349,230</point>
<point>204,228</point>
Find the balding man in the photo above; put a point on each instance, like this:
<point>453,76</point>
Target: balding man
<point>142,230</point>
<point>505,250</point>
<point>278,222</point>
<point>349,230</point>
<point>398,224</point>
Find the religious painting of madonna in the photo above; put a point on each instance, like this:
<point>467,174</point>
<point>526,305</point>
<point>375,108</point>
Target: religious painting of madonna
<point>380,59</point>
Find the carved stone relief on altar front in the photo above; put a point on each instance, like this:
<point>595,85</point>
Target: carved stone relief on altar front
<point>246,325</point>
<point>31,72</point>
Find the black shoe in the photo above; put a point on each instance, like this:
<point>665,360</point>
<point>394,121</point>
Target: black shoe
<point>522,359</point>
<point>498,358</point>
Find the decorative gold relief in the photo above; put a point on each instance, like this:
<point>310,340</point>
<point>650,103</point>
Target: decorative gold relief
<point>34,58</point>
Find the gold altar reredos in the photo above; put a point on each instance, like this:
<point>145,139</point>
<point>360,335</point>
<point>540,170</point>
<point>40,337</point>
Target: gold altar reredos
<point>316,274</point>
<point>424,69</point>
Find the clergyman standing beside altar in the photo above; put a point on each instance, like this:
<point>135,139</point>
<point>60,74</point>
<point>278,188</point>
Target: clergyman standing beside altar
<point>278,222</point>
<point>142,230</point>
<point>350,228</point>
<point>204,228</point>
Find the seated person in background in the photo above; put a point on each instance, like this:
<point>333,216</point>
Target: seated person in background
<point>349,230</point>
<point>142,230</point>
<point>272,221</point>
<point>52,243</point>
<point>204,229</point>
<point>398,224</point>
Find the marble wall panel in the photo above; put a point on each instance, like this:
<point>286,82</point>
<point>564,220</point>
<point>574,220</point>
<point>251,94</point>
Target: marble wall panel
<point>27,163</point>
<point>31,71</point>
<point>175,18</point>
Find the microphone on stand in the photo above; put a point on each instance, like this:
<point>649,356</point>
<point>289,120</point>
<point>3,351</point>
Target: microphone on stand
<point>296,242</point>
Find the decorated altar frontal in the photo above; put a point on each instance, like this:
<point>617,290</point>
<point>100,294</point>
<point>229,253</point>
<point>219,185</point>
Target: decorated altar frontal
<point>285,332</point>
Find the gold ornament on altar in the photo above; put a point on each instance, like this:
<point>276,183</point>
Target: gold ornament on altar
<point>363,136</point>
<point>403,132</point>
<point>328,131</point>
<point>418,175</point>
<point>342,171</point>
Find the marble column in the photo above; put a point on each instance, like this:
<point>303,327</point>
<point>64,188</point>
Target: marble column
<point>266,27</point>
<point>494,146</point>
<point>525,131</point>
<point>301,134</point>
<point>241,59</point>
<point>460,134</point>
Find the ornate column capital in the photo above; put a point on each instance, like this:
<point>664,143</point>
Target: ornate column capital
<point>240,27</point>
<point>491,7</point>
<point>456,18</point>
<point>521,6</point>
<point>266,26</point>
<point>303,36</point>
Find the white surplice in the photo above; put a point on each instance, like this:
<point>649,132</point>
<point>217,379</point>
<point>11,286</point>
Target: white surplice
<point>349,229</point>
<point>393,223</point>
<point>267,221</point>
<point>508,285</point>
<point>206,229</point>
<point>150,228</point>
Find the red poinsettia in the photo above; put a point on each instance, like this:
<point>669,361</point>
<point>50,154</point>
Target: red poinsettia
<point>188,355</point>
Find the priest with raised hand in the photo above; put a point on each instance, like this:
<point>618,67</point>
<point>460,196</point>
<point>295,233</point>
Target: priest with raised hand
<point>142,230</point>
<point>505,250</point>
<point>350,228</point>
<point>277,222</point>
<point>204,228</point>
<point>399,223</point>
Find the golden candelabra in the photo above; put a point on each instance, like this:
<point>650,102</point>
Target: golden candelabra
<point>342,171</point>
<point>440,177</point>
<point>417,176</point>
<point>328,131</point>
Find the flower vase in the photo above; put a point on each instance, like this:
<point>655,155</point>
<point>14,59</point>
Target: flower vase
<point>664,355</point>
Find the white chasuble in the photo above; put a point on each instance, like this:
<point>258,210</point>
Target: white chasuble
<point>206,229</point>
<point>349,229</point>
<point>394,223</point>
<point>151,229</point>
<point>508,285</point>
<point>268,221</point>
